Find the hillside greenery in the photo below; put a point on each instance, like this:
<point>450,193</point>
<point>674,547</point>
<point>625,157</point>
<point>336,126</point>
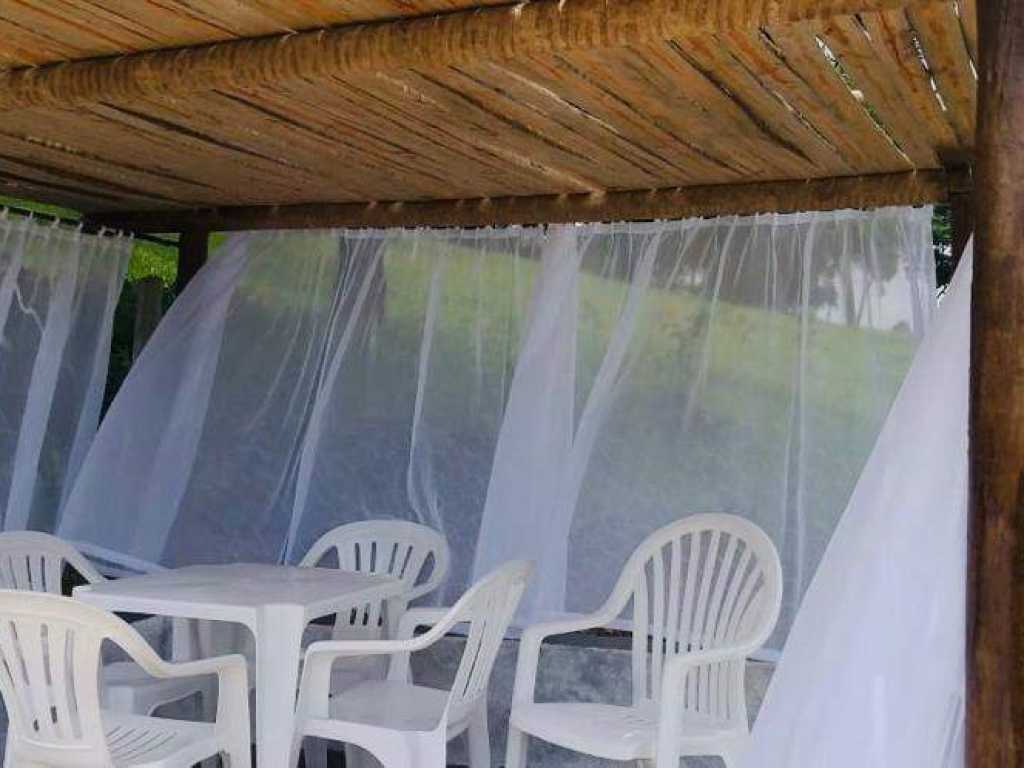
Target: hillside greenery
<point>153,260</point>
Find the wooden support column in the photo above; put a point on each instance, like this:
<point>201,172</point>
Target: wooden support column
<point>193,248</point>
<point>995,610</point>
<point>961,208</point>
<point>149,308</point>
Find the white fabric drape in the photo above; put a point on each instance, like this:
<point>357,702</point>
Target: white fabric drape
<point>58,290</point>
<point>873,671</point>
<point>744,365</point>
<point>553,394</point>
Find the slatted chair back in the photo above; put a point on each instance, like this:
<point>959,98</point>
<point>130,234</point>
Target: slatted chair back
<point>706,582</point>
<point>413,553</point>
<point>34,562</point>
<point>487,609</point>
<point>49,676</point>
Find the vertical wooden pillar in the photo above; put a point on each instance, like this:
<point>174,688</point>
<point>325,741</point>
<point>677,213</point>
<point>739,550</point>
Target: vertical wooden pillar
<point>193,248</point>
<point>995,610</point>
<point>149,308</point>
<point>961,208</point>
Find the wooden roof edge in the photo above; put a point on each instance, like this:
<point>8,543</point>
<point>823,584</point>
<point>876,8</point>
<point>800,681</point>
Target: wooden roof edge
<point>874,191</point>
<point>86,227</point>
<point>485,33</point>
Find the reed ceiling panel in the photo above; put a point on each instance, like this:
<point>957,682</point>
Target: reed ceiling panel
<point>34,32</point>
<point>867,93</point>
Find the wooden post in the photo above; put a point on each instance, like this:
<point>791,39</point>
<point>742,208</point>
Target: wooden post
<point>149,308</point>
<point>995,596</point>
<point>961,208</point>
<point>193,248</point>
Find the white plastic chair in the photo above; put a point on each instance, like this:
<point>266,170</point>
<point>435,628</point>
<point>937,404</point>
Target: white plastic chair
<point>50,648</point>
<point>705,593</point>
<point>402,724</point>
<point>34,562</point>
<point>396,548</point>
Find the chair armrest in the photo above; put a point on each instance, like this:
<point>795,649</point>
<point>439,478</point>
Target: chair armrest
<point>673,678</point>
<point>534,635</point>
<point>214,666</point>
<point>231,671</point>
<point>232,684</point>
<point>327,651</point>
<point>677,666</point>
<point>314,691</point>
<point>399,669</point>
<point>419,617</point>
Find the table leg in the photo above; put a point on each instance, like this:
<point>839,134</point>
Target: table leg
<point>190,641</point>
<point>278,634</point>
<point>182,646</point>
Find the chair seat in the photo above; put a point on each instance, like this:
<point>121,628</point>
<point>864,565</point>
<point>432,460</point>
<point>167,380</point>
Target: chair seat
<point>136,741</point>
<point>391,704</point>
<point>608,731</point>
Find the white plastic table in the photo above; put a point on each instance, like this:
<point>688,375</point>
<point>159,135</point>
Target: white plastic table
<point>275,602</point>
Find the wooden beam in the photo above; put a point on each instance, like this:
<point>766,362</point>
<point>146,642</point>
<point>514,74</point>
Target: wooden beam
<point>995,611</point>
<point>491,33</point>
<point>82,224</point>
<point>914,188</point>
<point>193,249</point>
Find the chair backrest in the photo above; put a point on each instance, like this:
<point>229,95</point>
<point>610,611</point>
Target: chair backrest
<point>34,562</point>
<point>488,608</point>
<point>49,677</point>
<point>705,582</point>
<point>396,548</point>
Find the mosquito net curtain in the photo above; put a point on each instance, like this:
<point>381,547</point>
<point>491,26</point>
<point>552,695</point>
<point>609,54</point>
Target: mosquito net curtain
<point>873,672</point>
<point>58,289</point>
<point>552,394</point>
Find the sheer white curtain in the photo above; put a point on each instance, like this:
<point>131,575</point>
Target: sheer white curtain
<point>873,671</point>
<point>58,290</point>
<point>309,379</point>
<point>550,393</point>
<point>740,365</point>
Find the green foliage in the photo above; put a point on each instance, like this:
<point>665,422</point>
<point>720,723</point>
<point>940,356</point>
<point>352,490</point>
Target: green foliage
<point>148,259</point>
<point>28,205</point>
<point>942,239</point>
<point>152,260</point>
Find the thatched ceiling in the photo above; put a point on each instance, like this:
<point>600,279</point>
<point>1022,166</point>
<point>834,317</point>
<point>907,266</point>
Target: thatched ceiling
<point>34,32</point>
<point>582,103</point>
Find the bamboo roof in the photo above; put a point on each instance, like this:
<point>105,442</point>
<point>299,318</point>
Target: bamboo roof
<point>164,105</point>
